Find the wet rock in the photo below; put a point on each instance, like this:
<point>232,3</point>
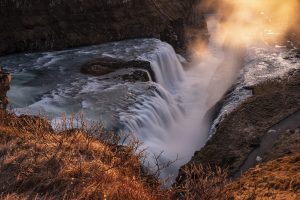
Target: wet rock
<point>5,79</point>
<point>103,66</point>
<point>30,25</point>
<point>136,75</point>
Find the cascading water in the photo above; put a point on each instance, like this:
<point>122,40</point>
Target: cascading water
<point>174,118</point>
<point>168,116</point>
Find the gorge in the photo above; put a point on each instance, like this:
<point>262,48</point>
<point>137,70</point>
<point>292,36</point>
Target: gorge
<point>177,81</point>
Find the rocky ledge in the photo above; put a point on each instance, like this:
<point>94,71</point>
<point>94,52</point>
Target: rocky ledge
<point>30,25</point>
<point>139,69</point>
<point>5,79</point>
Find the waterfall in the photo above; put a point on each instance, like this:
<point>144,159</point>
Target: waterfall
<point>168,116</point>
<point>173,119</point>
<point>168,70</point>
<point>151,117</point>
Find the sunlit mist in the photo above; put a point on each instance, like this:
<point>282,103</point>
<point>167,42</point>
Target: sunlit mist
<point>245,22</point>
<point>240,23</point>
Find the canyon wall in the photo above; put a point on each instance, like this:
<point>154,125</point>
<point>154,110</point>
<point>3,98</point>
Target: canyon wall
<point>31,25</point>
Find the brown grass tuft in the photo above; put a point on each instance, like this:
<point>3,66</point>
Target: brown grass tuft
<point>202,183</point>
<point>276,179</point>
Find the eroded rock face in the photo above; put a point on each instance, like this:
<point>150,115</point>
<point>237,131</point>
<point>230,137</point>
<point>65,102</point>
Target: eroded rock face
<point>29,25</point>
<point>5,79</point>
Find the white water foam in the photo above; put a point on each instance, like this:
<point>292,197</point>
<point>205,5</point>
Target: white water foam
<point>168,116</point>
<point>174,119</point>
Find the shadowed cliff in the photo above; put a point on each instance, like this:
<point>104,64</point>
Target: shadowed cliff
<point>46,24</point>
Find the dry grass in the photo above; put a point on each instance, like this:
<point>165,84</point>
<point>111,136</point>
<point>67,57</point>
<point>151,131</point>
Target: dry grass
<point>201,182</point>
<point>78,162</point>
<point>278,179</point>
<point>38,163</point>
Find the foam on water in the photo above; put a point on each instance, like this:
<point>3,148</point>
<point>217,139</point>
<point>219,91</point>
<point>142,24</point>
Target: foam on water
<point>168,116</point>
<point>173,119</point>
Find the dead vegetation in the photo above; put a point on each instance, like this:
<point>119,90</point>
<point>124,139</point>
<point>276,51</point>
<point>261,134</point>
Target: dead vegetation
<point>201,182</point>
<point>78,162</point>
<point>81,162</point>
<point>277,179</point>
<point>38,163</point>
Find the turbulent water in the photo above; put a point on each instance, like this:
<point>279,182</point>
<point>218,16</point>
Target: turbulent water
<point>168,116</point>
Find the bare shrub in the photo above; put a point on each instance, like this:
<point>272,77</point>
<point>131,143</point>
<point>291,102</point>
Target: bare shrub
<point>200,182</point>
<point>73,159</point>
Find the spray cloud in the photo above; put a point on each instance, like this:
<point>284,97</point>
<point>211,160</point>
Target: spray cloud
<point>246,22</point>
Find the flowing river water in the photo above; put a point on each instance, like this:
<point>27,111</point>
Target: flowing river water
<point>168,115</point>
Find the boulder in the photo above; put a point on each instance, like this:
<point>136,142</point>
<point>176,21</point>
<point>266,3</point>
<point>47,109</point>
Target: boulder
<point>106,65</point>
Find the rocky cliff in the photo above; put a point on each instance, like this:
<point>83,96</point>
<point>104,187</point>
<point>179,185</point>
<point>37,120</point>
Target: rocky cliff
<point>256,115</point>
<point>4,87</point>
<point>29,25</point>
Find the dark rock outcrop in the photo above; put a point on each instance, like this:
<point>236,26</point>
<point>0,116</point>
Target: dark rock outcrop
<point>5,79</point>
<point>30,25</point>
<point>106,65</point>
<point>136,75</point>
